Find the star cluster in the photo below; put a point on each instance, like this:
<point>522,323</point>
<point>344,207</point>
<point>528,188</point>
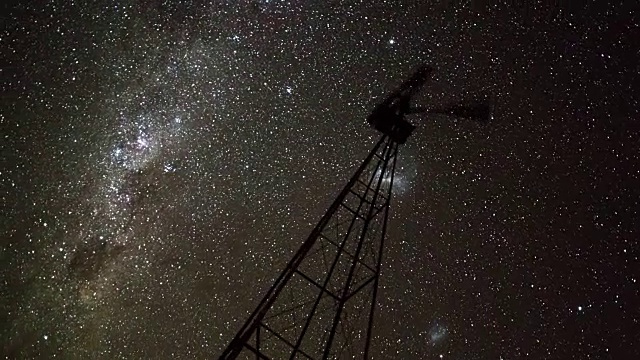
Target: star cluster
<point>161,162</point>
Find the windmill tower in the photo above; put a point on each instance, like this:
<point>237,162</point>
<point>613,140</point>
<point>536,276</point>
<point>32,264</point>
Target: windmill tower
<point>323,303</point>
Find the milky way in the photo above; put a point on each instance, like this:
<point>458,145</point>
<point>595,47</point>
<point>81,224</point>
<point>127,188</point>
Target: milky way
<point>162,161</point>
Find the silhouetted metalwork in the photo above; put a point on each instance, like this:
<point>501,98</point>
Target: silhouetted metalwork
<point>323,303</point>
<point>389,116</point>
<point>480,111</point>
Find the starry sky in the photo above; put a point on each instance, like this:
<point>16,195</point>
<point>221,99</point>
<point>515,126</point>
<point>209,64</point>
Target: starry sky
<point>161,161</point>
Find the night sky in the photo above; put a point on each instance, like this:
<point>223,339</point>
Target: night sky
<point>160,163</point>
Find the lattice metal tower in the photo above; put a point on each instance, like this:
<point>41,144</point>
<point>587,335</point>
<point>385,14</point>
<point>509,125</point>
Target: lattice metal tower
<point>322,304</point>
